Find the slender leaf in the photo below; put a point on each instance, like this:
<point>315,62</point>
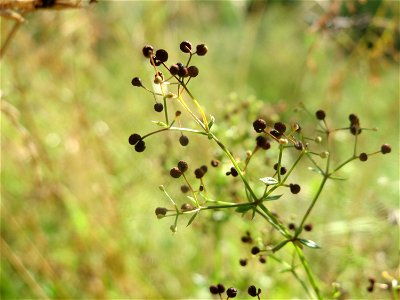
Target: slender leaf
<point>244,208</point>
<point>309,243</point>
<point>272,198</point>
<point>269,180</point>
<point>192,218</point>
<point>159,123</point>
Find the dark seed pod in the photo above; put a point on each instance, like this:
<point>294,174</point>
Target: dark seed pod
<point>215,163</point>
<point>182,166</point>
<point>234,172</point>
<point>243,262</point>
<point>308,227</point>
<point>175,172</point>
<point>136,81</point>
<point>161,211</point>
<point>280,127</point>
<point>174,70</point>
<point>355,129</point>
<point>255,250</point>
<point>246,239</point>
<point>320,114</point>
<point>231,292</point>
<point>214,289</point>
<point>354,119</point>
<point>385,148</point>
<point>184,188</point>
<point>199,173</point>
<point>140,146</point>
<point>158,107</point>
<point>183,72</point>
<point>252,291</point>
<point>262,259</point>
<point>187,207</point>
<point>185,47</point>
<point>275,133</point>
<point>134,138</point>
<point>204,169</point>
<point>299,145</point>
<point>294,188</point>
<point>259,125</point>
<point>193,71</point>
<point>221,288</point>
<point>370,289</point>
<point>363,156</point>
<point>162,55</point>
<point>184,140</point>
<point>147,51</point>
<point>292,226</point>
<point>154,61</point>
<point>201,49</point>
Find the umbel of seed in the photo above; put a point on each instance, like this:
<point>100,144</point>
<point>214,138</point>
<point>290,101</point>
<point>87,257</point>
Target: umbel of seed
<point>182,166</point>
<point>259,125</point>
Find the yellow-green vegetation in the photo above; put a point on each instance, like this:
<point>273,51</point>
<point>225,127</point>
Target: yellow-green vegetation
<point>77,202</point>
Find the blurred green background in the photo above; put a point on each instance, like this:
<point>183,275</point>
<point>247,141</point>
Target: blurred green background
<point>77,203</point>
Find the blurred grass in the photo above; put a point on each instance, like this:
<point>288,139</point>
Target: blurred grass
<point>77,213</point>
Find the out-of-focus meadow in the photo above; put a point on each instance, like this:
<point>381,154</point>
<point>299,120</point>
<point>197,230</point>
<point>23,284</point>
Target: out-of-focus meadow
<point>77,203</point>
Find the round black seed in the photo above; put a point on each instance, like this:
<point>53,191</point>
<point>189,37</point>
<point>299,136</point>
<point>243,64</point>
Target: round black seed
<point>201,49</point>
<point>154,61</point>
<point>243,262</point>
<point>175,172</point>
<point>385,148</point>
<point>174,70</point>
<point>184,140</point>
<point>320,114</point>
<point>214,163</point>
<point>183,72</point>
<point>280,127</point>
<point>283,170</point>
<point>262,142</point>
<point>201,188</point>
<point>221,288</point>
<point>231,292</point>
<point>134,138</point>
<point>186,207</point>
<point>353,119</point>
<point>136,81</point>
<point>262,259</point>
<point>182,166</point>
<point>259,125</point>
<point>162,55</point>
<point>178,113</point>
<point>298,145</point>
<point>204,169</point>
<point>255,250</point>
<point>363,156</point>
<point>371,280</point>
<point>140,146</point>
<point>184,188</point>
<point>246,239</point>
<point>294,188</point>
<point>185,46</point>
<point>370,289</point>
<point>275,133</point>
<point>308,227</point>
<point>214,289</point>
<point>193,71</point>
<point>292,226</point>
<point>355,129</point>
<point>252,291</point>
<point>199,173</point>
<point>234,172</point>
<point>158,107</point>
<point>161,211</point>
<point>147,51</point>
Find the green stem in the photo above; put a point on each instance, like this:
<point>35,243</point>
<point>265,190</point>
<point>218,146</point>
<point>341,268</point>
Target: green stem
<point>308,271</point>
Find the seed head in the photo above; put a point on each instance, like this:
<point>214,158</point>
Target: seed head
<point>259,125</point>
<point>185,47</point>
<point>231,292</point>
<point>243,262</point>
<point>182,166</point>
<point>298,145</point>
<point>174,69</point>
<point>262,259</point>
<point>161,212</point>
<point>280,127</point>
<point>158,107</point>
<point>215,163</point>
<point>134,138</point>
<point>136,81</point>
<point>363,156</point>
<point>262,142</point>
<point>147,51</point>
<point>184,188</point>
<point>294,188</point>
<point>204,169</point>
<point>214,289</point>
<point>320,114</point>
<point>193,71</point>
<point>175,172</point>
<point>221,288</point>
<point>292,226</point>
<point>275,133</point>
<point>184,140</point>
<point>140,146</point>
<point>385,148</point>
<point>162,55</point>
<point>234,172</point>
<point>199,173</point>
<point>308,227</point>
<point>255,250</point>
<point>201,50</point>
<point>252,291</point>
<point>187,207</point>
<point>183,72</point>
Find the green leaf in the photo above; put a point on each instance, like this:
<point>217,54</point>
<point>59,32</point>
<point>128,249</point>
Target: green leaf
<point>161,124</point>
<point>272,198</point>
<point>191,199</point>
<point>211,123</point>
<point>269,180</point>
<point>244,208</point>
<point>280,245</point>
<point>192,218</point>
<point>309,243</point>
<point>337,178</point>
<point>315,170</point>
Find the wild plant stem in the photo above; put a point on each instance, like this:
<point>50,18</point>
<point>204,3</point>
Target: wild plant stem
<point>308,271</point>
